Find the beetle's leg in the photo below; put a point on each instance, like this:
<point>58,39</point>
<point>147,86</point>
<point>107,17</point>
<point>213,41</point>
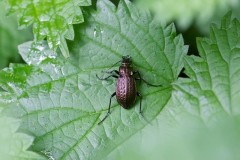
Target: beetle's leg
<point>140,97</point>
<point>112,72</point>
<point>108,113</point>
<point>141,79</point>
<point>115,76</point>
<point>140,109</point>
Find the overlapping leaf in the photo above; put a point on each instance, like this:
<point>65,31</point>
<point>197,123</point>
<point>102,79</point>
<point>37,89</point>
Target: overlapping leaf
<point>214,86</point>
<point>61,101</point>
<point>51,19</point>
<point>211,96</point>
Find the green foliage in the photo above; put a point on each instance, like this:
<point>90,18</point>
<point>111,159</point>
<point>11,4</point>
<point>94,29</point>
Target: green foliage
<point>201,120</point>
<point>10,38</point>
<point>13,145</point>
<point>211,95</point>
<point>51,19</point>
<point>61,101</point>
<point>186,12</point>
<point>214,86</point>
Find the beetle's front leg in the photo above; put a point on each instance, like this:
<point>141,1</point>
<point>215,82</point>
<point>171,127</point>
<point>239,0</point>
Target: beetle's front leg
<point>112,72</point>
<point>115,76</point>
<point>111,75</point>
<point>141,79</point>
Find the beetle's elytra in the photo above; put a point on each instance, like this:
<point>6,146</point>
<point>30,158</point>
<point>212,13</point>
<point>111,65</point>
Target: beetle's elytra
<point>126,90</point>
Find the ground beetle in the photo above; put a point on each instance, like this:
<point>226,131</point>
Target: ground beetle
<point>126,91</point>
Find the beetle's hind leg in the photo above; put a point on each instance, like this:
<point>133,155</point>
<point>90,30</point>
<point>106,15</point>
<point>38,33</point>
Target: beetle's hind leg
<point>108,113</point>
<point>140,109</point>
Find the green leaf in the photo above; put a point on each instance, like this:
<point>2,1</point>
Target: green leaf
<point>201,120</point>
<point>214,86</point>
<point>62,101</point>
<point>211,95</point>
<point>51,19</point>
<point>10,37</point>
<point>13,145</point>
<point>187,12</point>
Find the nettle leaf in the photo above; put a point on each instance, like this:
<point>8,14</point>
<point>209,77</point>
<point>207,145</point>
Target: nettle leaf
<point>13,145</point>
<point>51,19</point>
<point>201,12</point>
<point>210,97</point>
<point>61,102</point>
<point>214,86</point>
<point>201,120</point>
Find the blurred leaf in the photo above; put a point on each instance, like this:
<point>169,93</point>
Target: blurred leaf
<point>51,19</point>
<point>61,101</point>
<point>10,37</point>
<point>13,145</point>
<point>201,121</point>
<point>186,12</point>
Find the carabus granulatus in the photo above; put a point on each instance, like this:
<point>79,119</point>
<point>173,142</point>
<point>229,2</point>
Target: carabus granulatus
<point>126,90</point>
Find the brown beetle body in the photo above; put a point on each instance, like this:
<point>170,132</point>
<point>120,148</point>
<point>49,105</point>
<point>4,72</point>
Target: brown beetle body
<point>126,90</point>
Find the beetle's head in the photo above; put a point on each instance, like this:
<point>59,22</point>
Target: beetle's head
<point>126,60</point>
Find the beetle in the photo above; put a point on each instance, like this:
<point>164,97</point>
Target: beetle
<point>126,90</point>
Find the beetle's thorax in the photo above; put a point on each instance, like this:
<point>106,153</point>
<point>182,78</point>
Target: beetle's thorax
<point>125,70</point>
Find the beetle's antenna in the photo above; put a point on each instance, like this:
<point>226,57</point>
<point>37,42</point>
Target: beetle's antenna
<point>114,65</point>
